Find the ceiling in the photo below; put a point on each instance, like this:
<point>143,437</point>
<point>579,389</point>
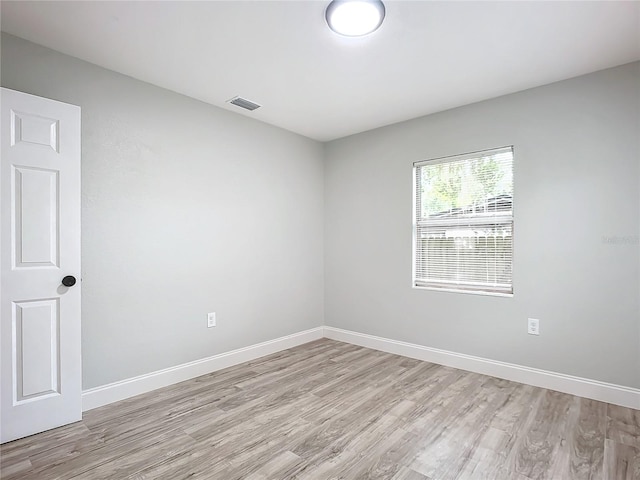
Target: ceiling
<point>426,57</point>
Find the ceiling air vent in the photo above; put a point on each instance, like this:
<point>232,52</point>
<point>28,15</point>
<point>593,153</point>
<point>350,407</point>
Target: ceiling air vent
<point>244,103</point>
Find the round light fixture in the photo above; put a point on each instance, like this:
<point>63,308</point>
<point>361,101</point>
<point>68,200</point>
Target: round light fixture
<point>354,18</point>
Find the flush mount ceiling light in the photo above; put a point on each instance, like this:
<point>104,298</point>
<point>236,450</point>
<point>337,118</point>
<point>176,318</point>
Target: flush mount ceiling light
<point>354,18</point>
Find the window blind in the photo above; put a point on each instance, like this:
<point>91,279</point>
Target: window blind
<point>463,229</point>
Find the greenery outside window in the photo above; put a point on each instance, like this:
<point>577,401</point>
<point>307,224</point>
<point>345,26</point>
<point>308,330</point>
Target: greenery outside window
<point>463,222</point>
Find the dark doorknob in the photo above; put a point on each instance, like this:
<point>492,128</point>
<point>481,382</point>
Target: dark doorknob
<point>69,281</point>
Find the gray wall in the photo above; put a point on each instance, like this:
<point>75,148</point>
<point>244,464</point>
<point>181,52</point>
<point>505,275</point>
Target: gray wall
<point>576,264</point>
<point>186,209</point>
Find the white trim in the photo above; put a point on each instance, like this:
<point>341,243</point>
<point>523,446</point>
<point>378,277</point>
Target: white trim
<point>113,392</point>
<point>582,387</point>
<point>465,156</point>
<point>486,293</point>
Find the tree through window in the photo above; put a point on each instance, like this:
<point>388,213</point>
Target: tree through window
<point>463,230</point>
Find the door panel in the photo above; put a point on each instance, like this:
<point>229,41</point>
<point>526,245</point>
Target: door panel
<point>37,342</point>
<point>39,244</point>
<point>34,129</point>
<point>35,217</point>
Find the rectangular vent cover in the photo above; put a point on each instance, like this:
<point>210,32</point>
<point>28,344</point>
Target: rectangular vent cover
<point>244,103</point>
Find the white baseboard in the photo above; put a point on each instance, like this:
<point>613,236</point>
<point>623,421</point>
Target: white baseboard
<point>582,387</point>
<point>604,392</point>
<point>113,392</point>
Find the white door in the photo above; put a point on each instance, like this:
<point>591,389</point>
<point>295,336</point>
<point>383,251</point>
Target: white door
<point>41,384</point>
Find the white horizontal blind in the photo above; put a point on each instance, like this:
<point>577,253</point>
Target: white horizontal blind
<point>464,222</point>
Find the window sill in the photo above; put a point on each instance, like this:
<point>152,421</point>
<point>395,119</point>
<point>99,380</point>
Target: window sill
<point>469,292</point>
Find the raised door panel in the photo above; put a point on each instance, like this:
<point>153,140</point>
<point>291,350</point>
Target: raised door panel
<point>36,352</point>
<point>35,215</point>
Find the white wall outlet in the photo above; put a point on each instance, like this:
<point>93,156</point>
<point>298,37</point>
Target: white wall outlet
<point>533,326</point>
<point>211,319</point>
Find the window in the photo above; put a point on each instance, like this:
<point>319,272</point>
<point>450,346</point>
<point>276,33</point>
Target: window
<point>463,228</point>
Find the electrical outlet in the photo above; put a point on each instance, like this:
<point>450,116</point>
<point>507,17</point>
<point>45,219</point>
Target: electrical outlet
<point>533,326</point>
<point>211,319</point>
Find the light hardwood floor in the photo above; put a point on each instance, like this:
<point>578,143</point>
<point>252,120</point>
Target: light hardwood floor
<point>330,410</point>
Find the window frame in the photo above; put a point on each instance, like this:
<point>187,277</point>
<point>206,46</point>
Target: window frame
<point>473,288</point>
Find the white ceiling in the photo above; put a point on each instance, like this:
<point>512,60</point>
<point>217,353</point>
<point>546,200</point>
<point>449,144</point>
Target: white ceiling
<point>426,57</point>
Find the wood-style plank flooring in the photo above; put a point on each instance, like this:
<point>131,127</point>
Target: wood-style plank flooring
<point>330,410</point>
